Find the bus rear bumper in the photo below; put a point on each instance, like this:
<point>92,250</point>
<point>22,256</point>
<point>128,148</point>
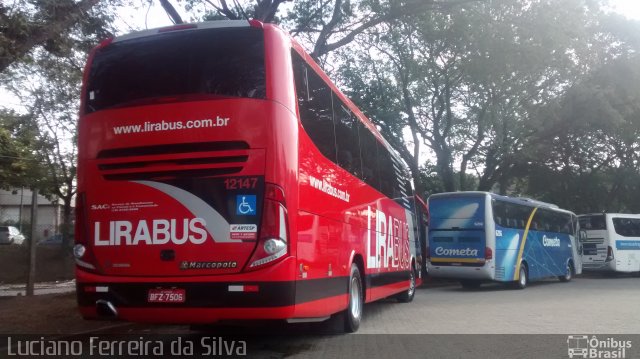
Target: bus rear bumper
<point>198,302</point>
<point>175,315</point>
<point>599,267</point>
<point>269,293</point>
<point>486,272</point>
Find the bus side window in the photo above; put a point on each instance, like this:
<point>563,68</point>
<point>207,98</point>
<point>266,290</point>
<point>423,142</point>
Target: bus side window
<point>500,213</point>
<point>388,175</point>
<point>369,152</point>
<point>347,138</point>
<point>628,227</point>
<point>316,107</point>
<point>636,228</point>
<point>541,218</point>
<point>398,180</point>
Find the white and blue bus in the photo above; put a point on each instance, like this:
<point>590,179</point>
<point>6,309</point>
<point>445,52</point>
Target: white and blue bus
<point>478,237</point>
<point>612,242</point>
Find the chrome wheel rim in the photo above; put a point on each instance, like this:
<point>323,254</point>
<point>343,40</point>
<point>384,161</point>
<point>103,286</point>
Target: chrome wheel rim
<point>567,276</point>
<point>412,283</point>
<point>356,302</point>
<point>523,277</point>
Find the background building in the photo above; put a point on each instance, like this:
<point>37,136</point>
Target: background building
<point>15,210</point>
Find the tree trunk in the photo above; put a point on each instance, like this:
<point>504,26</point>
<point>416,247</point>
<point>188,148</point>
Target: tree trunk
<point>171,11</point>
<point>443,167</point>
<point>65,228</point>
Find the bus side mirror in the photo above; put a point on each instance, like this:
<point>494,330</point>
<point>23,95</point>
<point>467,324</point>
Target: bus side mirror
<point>582,235</point>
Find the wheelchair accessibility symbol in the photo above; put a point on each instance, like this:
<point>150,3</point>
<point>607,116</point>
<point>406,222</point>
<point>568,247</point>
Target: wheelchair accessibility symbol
<point>246,205</point>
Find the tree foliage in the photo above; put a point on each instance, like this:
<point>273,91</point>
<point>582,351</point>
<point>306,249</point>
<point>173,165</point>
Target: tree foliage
<point>538,97</point>
<point>468,85</point>
<point>588,154</point>
<point>46,44</point>
<point>18,163</point>
<point>26,25</point>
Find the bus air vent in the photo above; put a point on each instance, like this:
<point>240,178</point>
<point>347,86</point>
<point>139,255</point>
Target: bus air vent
<point>207,159</point>
<point>173,149</point>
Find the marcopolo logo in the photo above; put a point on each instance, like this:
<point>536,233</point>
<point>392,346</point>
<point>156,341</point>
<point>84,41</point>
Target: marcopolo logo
<point>581,346</point>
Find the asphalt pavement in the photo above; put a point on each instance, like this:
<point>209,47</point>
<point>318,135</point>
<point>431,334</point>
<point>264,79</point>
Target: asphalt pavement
<point>442,321</point>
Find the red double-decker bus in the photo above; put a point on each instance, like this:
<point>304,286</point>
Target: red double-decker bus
<point>222,176</point>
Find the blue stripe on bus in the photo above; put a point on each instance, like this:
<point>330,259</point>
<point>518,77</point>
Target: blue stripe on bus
<point>628,245</point>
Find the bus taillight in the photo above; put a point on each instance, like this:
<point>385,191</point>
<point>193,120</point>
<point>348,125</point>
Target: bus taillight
<point>81,251</point>
<point>609,254</point>
<point>273,241</point>
<point>488,253</point>
<point>256,23</point>
<point>178,27</point>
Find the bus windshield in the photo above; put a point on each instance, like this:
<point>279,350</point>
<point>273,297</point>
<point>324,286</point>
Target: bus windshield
<point>462,212</point>
<point>218,62</point>
<point>595,222</point>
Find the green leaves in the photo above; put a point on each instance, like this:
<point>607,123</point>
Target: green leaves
<point>589,141</point>
<point>19,162</point>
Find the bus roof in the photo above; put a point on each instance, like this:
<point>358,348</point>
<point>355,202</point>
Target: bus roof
<point>184,27</point>
<point>517,200</point>
<point>630,215</point>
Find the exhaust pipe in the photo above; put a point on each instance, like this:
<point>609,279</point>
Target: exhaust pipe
<point>106,309</point>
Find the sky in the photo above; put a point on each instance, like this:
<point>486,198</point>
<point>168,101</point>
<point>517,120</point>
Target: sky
<point>628,8</point>
<point>154,16</point>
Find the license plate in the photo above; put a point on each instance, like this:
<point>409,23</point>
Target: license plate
<point>166,296</point>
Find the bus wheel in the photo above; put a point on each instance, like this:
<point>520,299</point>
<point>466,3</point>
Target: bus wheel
<point>353,314</point>
<point>523,280</point>
<point>407,296</point>
<point>470,284</point>
<point>568,274</point>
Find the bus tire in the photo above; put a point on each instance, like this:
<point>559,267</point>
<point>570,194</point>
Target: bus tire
<point>470,284</point>
<point>407,295</point>
<point>568,274</point>
<point>523,279</point>
<point>353,314</point>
